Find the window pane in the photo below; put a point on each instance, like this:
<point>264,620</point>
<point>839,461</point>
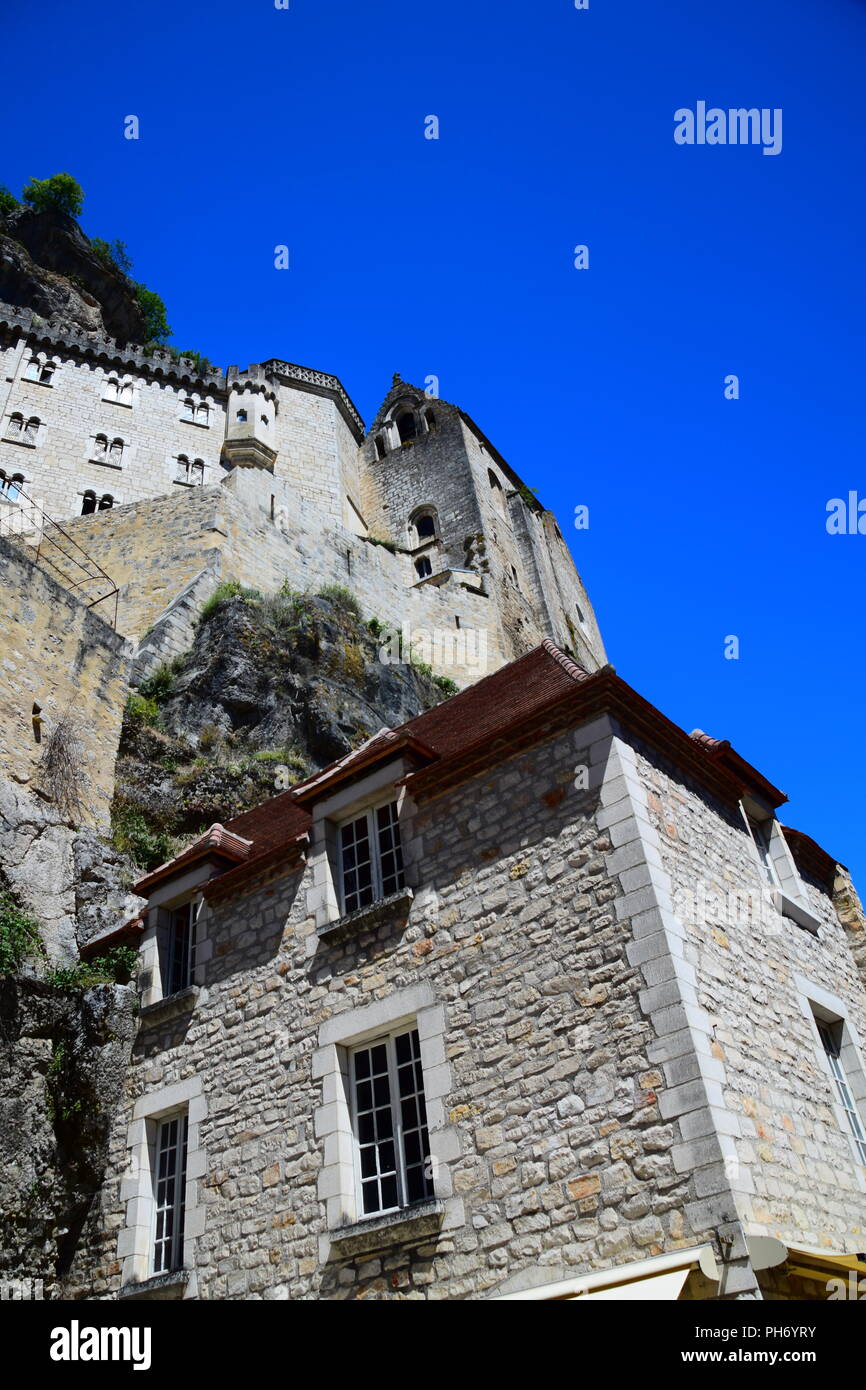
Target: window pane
<point>357,866</point>
<point>169,1193</point>
<point>390,850</point>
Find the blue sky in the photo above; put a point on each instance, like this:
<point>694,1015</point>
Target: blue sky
<point>454,257</point>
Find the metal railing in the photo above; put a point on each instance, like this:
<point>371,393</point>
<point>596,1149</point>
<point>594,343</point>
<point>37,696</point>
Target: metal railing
<point>50,546</point>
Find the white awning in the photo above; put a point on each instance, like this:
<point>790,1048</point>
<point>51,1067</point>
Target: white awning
<point>661,1277</point>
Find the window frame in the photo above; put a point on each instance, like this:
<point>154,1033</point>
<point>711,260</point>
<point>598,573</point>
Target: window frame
<point>369,813</point>
<point>833,1031</point>
<point>168,947</point>
<point>395,1104</point>
<point>178,1207</point>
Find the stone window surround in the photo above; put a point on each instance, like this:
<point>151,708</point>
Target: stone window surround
<point>197,401</point>
<point>788,894</point>
<point>813,999</point>
<point>135,1240</point>
<point>171,461</point>
<point>109,460</point>
<point>20,439</point>
<point>121,381</point>
<point>376,789</point>
<point>116,499</point>
<point>41,360</point>
<point>168,896</point>
<point>337,1183</point>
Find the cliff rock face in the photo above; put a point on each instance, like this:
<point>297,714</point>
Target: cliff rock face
<point>47,264</point>
<point>275,687</point>
<point>63,1057</point>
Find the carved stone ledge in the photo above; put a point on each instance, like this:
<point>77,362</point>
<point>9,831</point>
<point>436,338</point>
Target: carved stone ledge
<point>160,1287</point>
<point>173,1006</point>
<point>382,1232</point>
<point>388,909</point>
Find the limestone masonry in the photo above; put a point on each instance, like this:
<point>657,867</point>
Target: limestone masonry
<point>533,996</point>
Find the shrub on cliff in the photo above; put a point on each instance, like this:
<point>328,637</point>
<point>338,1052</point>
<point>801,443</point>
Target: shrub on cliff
<point>60,193</point>
<point>19,935</point>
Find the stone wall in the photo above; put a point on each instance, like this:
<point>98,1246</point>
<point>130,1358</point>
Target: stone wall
<point>66,659</point>
<point>560,1158</point>
<point>789,1160</point>
<point>155,549</point>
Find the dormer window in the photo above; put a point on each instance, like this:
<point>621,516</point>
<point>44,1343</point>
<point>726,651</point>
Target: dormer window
<point>761,831</point>
<point>371,858</point>
<point>178,948</point>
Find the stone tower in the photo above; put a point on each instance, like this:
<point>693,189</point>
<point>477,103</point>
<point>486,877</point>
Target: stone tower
<point>433,483</point>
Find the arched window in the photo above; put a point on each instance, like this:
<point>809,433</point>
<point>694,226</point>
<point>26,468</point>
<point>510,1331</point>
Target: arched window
<point>46,372</point>
<point>33,368</point>
<point>182,471</point>
<point>188,412</point>
<point>380,447</point>
<point>116,450</point>
<point>31,429</point>
<point>196,472</point>
<point>124,392</point>
<point>407,426</point>
<point>264,419</point>
<point>112,388</point>
<point>100,446</point>
<point>88,503</point>
<point>106,502</point>
<point>424,524</point>
<point>16,425</point>
<point>202,412</point>
<point>423,567</point>
<point>14,486</point>
<point>242,416</point>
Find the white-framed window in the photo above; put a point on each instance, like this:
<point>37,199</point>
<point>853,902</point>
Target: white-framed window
<point>370,857</point>
<point>178,948</point>
<point>783,884</point>
<point>832,1035</point>
<point>389,1124</point>
<point>160,1186</point>
<point>169,1192</point>
<point>761,831</point>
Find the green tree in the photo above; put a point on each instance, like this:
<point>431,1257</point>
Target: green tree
<point>156,328</point>
<point>60,193</point>
<point>112,253</point>
<point>8,201</point>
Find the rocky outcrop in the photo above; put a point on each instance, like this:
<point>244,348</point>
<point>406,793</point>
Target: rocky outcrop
<point>271,689</point>
<point>47,264</point>
<point>69,878</point>
<point>63,1057</point>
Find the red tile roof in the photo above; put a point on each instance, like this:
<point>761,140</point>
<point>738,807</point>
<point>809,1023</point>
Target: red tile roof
<point>519,704</point>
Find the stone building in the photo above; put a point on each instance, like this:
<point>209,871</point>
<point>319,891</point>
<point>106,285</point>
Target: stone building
<point>177,478</point>
<point>533,997</point>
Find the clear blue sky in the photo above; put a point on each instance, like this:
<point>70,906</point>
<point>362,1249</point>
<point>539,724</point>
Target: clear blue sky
<point>454,257</point>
